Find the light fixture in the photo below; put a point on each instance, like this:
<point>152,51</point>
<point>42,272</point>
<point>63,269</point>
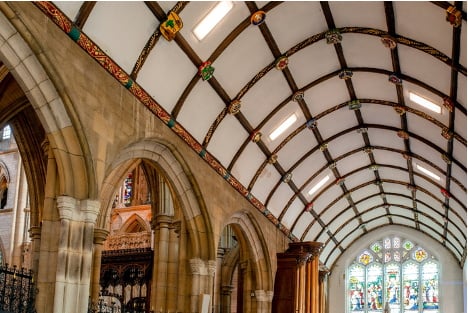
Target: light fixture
<point>427,172</point>
<point>319,185</point>
<point>212,19</point>
<point>425,103</point>
<point>285,125</point>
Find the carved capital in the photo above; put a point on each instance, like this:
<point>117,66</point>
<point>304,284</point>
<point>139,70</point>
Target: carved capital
<point>211,267</point>
<point>90,210</point>
<point>100,235</point>
<point>161,221</point>
<point>67,207</point>
<point>197,266</point>
<point>35,232</point>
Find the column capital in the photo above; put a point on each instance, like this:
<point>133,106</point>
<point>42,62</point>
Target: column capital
<point>90,210</point>
<point>212,267</point>
<point>261,295</point>
<point>198,267</point>
<point>227,290</point>
<point>67,207</point>
<point>35,232</point>
<point>100,235</point>
<point>161,220</point>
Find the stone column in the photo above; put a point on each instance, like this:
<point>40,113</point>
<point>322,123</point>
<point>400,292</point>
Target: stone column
<point>217,281</point>
<point>161,225</point>
<point>35,234</point>
<point>74,255</point>
<point>173,267</point>
<point>226,292</point>
<point>100,236</point>
<point>211,267</point>
<point>198,269</point>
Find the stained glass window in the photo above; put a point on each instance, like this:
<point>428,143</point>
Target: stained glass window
<point>394,272</point>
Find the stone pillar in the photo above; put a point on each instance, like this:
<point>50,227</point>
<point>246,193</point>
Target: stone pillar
<point>74,255</point>
<point>100,236</point>
<point>225,304</point>
<point>173,268</point>
<point>211,266</point>
<point>19,214</point>
<point>161,225</point>
<point>35,234</point>
<point>217,281</point>
<point>198,269</point>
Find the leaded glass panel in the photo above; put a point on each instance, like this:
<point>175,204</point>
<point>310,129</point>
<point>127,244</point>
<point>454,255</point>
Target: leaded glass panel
<point>430,287</point>
<point>356,282</point>
<point>411,287</point>
<point>393,272</point>
<point>374,287</point>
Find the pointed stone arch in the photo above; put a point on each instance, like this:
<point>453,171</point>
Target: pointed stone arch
<point>253,237</point>
<point>135,218</point>
<point>32,70</point>
<point>172,166</point>
<point>4,183</point>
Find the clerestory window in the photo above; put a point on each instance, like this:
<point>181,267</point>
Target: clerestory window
<point>393,275</point>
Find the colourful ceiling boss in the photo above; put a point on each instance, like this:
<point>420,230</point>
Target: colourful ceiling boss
<point>206,70</point>
<point>258,18</point>
<point>171,26</point>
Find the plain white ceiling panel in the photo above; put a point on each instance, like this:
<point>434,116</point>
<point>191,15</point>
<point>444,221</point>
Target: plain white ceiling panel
<point>318,97</point>
<point>166,58</point>
<point>266,182</point>
<point>312,18</point>
<point>279,199</point>
<point>308,71</point>
<point>69,8</point>
<point>302,224</point>
<point>241,49</point>
<point>248,163</point>
<point>370,15</point>
<point>412,21</point>
<point>226,150</point>
<point>258,102</point>
<point>292,212</point>
<point>132,21</point>
<point>380,114</point>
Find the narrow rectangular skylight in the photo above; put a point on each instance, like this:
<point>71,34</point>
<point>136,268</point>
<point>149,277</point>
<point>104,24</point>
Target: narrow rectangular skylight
<point>212,19</point>
<point>319,185</point>
<point>427,172</point>
<point>425,103</point>
<point>282,128</point>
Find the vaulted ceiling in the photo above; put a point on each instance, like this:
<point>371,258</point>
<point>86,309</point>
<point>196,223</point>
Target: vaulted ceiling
<point>344,69</point>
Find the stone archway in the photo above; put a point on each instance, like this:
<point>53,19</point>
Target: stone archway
<point>181,228</point>
<point>244,281</point>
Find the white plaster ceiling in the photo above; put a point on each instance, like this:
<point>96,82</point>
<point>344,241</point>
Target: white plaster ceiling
<point>430,58</point>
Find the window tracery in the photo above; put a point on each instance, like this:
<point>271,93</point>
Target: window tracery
<point>395,271</point>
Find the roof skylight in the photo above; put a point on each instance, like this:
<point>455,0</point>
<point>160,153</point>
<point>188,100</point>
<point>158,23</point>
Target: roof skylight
<point>216,14</point>
<point>319,185</point>
<point>425,103</point>
<point>427,172</point>
<point>282,128</point>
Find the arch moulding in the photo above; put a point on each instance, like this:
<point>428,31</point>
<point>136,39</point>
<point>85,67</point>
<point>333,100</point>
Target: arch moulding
<point>172,166</point>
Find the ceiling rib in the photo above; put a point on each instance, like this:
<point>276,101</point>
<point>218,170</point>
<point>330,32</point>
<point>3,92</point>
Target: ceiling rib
<point>84,12</point>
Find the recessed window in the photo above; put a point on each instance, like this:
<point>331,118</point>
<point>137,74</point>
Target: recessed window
<point>425,102</point>
<point>282,128</point>
<point>427,172</point>
<point>6,134</point>
<point>212,19</point>
<point>395,274</point>
<point>319,185</point>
